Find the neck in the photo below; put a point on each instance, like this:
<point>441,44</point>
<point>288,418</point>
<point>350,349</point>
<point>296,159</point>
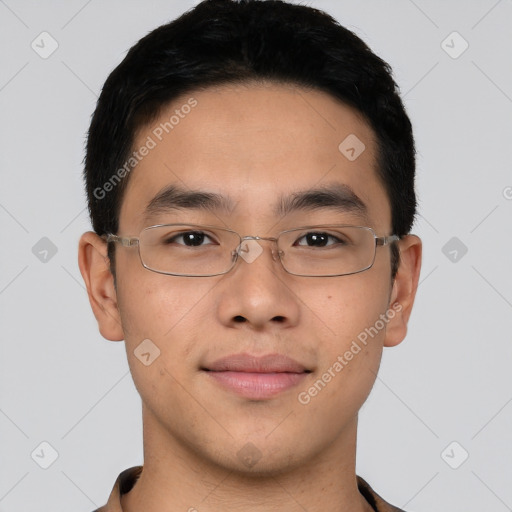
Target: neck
<point>175,477</point>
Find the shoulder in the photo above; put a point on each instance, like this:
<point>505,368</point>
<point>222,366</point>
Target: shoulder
<point>123,484</point>
<point>375,501</point>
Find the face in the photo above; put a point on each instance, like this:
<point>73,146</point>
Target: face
<point>257,146</point>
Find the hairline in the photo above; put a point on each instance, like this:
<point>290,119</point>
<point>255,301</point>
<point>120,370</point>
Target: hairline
<point>295,85</point>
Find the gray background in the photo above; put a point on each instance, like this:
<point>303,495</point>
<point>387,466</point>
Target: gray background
<point>61,383</point>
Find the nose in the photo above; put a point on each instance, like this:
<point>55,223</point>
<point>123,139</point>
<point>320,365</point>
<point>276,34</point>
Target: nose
<point>256,294</point>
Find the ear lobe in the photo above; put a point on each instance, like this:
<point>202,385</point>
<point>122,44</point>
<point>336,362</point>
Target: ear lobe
<point>99,281</point>
<point>404,290</point>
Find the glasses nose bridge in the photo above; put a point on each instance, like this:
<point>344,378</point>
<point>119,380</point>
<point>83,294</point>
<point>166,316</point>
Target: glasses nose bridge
<point>270,238</point>
<point>274,250</point>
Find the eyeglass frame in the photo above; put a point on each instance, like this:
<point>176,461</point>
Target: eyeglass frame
<point>131,241</point>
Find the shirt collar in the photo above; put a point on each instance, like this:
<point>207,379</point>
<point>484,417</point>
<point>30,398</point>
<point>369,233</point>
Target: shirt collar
<point>126,480</point>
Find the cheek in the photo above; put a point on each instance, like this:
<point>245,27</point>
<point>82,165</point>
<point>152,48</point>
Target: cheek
<point>349,314</point>
<point>153,305</point>
<point>349,348</point>
<point>350,305</point>
<point>163,317</point>
<point>166,310</point>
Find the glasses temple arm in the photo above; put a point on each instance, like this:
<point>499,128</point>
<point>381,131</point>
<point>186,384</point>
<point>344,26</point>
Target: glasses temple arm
<point>125,241</point>
<point>386,240</point>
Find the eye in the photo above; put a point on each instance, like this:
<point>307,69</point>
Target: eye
<point>189,239</point>
<point>318,239</point>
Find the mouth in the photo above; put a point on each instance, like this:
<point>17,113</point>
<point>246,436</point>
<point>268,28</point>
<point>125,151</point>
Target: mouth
<point>256,378</point>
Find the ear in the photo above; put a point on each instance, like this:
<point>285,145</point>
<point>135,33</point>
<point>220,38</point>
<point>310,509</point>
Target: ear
<point>404,290</point>
<point>94,267</point>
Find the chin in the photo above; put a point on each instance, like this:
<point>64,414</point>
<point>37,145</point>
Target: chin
<point>253,462</point>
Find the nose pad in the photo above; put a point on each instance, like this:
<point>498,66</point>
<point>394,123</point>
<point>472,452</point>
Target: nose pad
<point>249,253</point>
<point>276,253</point>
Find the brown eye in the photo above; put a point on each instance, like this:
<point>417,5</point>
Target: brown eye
<point>318,239</point>
<point>188,238</point>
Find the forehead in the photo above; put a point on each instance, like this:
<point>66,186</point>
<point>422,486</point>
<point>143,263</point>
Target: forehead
<point>255,145</point>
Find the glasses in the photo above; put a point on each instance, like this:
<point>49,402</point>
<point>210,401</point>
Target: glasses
<point>191,250</point>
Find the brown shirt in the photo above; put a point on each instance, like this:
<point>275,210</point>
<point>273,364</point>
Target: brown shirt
<point>126,480</point>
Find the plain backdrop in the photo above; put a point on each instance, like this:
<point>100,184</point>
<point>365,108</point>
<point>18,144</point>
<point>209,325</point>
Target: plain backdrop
<point>435,434</point>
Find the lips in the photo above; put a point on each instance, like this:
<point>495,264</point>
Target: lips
<point>256,377</point>
<point>271,363</point>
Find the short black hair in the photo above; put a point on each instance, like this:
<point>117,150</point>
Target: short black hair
<point>227,42</point>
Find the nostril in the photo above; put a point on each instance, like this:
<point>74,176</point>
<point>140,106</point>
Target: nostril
<point>280,319</point>
<point>239,319</point>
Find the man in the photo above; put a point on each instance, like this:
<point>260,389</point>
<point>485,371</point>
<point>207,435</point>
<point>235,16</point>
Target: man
<point>250,176</point>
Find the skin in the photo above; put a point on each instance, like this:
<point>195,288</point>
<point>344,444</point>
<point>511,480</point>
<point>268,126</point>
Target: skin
<point>253,143</point>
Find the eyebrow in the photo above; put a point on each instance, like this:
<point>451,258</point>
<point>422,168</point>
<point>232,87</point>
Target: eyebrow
<point>175,198</point>
<point>334,196</point>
